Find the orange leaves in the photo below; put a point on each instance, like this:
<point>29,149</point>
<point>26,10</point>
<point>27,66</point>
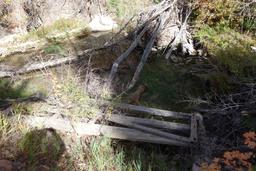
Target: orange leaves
<point>250,139</point>
<point>214,166</point>
<point>236,160</point>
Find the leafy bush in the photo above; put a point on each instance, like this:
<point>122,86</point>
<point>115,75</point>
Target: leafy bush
<point>234,14</point>
<point>230,49</point>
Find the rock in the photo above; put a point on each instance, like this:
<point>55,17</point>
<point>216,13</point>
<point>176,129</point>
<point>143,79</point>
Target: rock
<point>27,15</point>
<point>102,23</point>
<point>6,165</point>
<point>253,48</point>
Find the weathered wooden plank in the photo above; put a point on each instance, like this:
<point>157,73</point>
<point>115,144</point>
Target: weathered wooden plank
<point>193,125</point>
<point>151,111</point>
<point>156,123</point>
<point>87,129</point>
<point>156,132</point>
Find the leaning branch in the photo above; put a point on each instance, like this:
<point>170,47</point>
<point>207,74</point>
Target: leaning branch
<point>51,63</point>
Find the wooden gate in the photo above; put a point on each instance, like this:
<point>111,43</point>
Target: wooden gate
<point>159,126</point>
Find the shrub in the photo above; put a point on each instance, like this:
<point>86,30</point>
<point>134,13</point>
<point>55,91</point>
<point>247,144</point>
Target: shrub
<point>234,14</point>
<point>230,49</point>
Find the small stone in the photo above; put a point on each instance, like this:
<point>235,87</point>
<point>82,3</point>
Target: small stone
<point>102,23</point>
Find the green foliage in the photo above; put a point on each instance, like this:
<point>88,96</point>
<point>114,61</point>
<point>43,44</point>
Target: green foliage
<point>70,91</point>
<point>230,49</point>
<point>140,160</point>
<point>222,37</point>
<point>5,128</point>
<point>231,13</point>
<point>9,90</point>
<point>157,1</point>
<point>239,61</point>
<point>54,49</point>
<point>104,155</point>
<point>10,134</point>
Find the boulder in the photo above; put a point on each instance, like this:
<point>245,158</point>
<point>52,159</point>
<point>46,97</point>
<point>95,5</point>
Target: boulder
<point>102,23</point>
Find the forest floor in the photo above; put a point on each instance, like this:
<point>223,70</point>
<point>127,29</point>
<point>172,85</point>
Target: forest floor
<point>70,88</point>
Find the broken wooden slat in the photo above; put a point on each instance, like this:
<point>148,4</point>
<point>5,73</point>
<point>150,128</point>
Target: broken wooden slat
<point>156,123</point>
<point>83,129</point>
<point>122,121</point>
<point>151,111</point>
<point>193,124</point>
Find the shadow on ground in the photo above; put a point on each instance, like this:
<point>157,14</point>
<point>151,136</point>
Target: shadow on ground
<point>41,150</point>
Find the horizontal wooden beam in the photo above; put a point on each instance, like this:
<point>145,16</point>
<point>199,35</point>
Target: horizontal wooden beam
<point>157,132</point>
<point>88,129</point>
<point>151,111</point>
<point>155,123</point>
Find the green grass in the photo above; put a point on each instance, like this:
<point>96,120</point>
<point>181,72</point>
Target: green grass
<point>54,48</point>
<point>168,85</point>
<point>106,155</point>
<point>124,9</point>
<point>62,25</point>
<point>10,134</point>
<point>10,90</point>
<point>5,130</point>
<point>102,157</point>
<point>68,88</point>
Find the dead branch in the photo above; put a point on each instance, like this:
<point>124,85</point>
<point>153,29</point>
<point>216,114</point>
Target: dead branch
<point>183,38</point>
<point>148,23</point>
<point>51,63</point>
<point>126,54</point>
<point>146,53</point>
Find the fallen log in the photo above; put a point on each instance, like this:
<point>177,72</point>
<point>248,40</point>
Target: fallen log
<point>88,129</point>
<point>146,53</point>
<point>125,54</point>
<point>51,63</point>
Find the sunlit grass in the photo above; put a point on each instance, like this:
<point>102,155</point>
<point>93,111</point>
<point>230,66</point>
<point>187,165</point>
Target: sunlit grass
<point>124,9</point>
<point>59,26</point>
<point>103,158</point>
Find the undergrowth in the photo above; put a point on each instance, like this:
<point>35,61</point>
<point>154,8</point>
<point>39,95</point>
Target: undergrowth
<point>59,26</point>
<point>70,91</point>
<point>124,9</point>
